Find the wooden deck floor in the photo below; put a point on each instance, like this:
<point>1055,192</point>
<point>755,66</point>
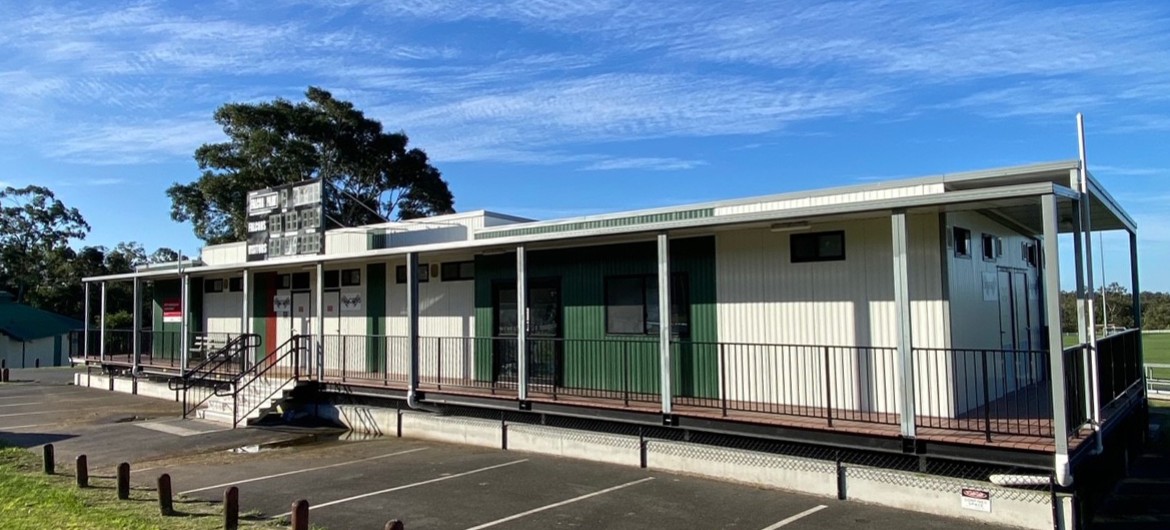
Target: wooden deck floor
<point>1034,433</point>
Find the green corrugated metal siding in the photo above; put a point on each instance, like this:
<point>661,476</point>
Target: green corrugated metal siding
<point>375,316</point>
<point>599,224</point>
<point>261,286</point>
<point>195,302</point>
<point>582,274</point>
<point>165,345</point>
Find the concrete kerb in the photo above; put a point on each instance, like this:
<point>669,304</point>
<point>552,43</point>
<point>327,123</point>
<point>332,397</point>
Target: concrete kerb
<point>760,469</point>
<point>127,385</point>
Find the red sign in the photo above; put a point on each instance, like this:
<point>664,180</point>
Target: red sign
<point>172,310</point>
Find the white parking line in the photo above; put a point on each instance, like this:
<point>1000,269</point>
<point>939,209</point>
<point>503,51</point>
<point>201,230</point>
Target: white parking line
<point>48,402</point>
<point>407,486</point>
<point>26,426</point>
<point>28,413</point>
<point>559,504</point>
<point>306,470</point>
<point>798,516</point>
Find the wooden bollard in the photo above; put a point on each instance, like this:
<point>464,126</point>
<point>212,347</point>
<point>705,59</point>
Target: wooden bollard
<point>124,481</point>
<point>50,460</point>
<point>395,525</point>
<point>300,515</point>
<point>231,508</point>
<point>166,504</point>
<point>3,375</point>
<point>82,471</point>
<point>37,364</point>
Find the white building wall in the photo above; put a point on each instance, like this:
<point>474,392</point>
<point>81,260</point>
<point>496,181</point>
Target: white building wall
<point>26,355</point>
<point>446,323</point>
<point>765,299</point>
<point>222,311</point>
<point>225,254</point>
<point>975,315</point>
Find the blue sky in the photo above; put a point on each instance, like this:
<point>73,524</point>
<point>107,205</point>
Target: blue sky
<point>551,108</point>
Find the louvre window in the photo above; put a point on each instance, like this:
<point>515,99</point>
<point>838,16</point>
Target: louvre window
<point>351,277</point>
<point>454,271</point>
<point>962,241</point>
<point>423,273</point>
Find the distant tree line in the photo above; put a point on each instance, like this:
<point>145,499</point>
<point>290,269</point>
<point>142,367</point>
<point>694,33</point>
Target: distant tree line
<point>1115,308</point>
<point>40,267</point>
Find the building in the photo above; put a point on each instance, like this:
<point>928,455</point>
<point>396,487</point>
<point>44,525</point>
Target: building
<point>30,337</point>
<point>917,316</point>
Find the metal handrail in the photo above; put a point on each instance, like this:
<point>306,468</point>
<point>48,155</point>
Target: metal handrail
<point>202,373</point>
<point>294,346</point>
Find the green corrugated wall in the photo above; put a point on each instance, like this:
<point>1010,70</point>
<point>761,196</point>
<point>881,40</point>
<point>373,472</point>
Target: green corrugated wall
<point>582,273</point>
<point>375,300</point>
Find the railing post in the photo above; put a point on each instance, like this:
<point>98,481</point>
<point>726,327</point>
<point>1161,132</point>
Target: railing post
<point>344,351</point>
<point>722,367</point>
<point>135,339</point>
<point>102,328</point>
<point>828,386</point>
<point>626,371</point>
<point>986,400</point>
<point>439,361</point>
<point>521,323</point>
<point>664,324</point>
<point>85,327</point>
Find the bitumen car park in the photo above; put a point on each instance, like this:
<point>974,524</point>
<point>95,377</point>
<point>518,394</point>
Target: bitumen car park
<point>364,482</point>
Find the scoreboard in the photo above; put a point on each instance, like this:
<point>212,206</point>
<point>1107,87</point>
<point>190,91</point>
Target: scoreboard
<point>286,221</point>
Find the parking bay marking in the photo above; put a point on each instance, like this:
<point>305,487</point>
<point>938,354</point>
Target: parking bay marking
<point>801,515</point>
<point>287,473</point>
<point>559,504</point>
<point>407,486</point>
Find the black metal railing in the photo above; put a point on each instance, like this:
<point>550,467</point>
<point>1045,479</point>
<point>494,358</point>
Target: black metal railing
<point>1076,385</point>
<point>371,359</point>
<point>217,371</point>
<point>281,367</point>
<point>480,364</point>
<point>988,391</point>
<point>1119,364</point>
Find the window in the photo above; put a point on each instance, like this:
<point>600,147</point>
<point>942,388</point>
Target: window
<point>820,246</point>
<point>300,281</point>
<point>454,271</point>
<point>631,305</point>
<point>284,281</point>
<point>236,285</point>
<point>332,279</point>
<point>1031,253</point>
<point>992,247</point>
<point>962,240</point>
<point>351,277</point>
<point>275,224</point>
<point>423,273</point>
<point>213,286</point>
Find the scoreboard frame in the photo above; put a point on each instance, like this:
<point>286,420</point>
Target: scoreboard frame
<point>287,220</point>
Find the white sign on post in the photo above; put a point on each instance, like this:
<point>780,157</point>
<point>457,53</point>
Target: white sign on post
<point>977,500</point>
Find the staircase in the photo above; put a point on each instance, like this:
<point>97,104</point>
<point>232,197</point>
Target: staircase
<point>255,401</point>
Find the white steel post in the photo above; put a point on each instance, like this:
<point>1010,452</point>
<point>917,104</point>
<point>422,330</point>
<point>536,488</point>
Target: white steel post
<point>102,328</point>
<point>184,325</point>
<point>902,316</point>
<point>320,331</point>
<point>664,323</point>
<point>412,322</point>
<point>1051,264</point>
<point>1137,303</point>
<point>1083,323</point>
<point>1090,289</point>
<point>136,340</point>
<point>521,323</point>
<point>246,309</point>
<point>85,326</point>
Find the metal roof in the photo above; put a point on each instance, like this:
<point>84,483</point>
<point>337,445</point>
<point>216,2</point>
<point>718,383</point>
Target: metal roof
<point>1016,182</point>
<point>24,323</point>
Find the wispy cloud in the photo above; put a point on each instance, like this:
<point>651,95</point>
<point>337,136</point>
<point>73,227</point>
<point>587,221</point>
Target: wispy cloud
<point>1128,171</point>
<point>644,163</point>
<point>136,143</point>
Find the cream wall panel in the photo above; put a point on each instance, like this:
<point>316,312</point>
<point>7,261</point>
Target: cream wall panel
<point>446,324</point>
<point>764,299</point>
<point>823,200</point>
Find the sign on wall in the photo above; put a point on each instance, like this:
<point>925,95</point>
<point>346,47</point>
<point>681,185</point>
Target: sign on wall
<point>974,499</point>
<point>282,303</point>
<point>990,287</point>
<point>351,302</point>
<point>172,309</point>
<point>286,221</point>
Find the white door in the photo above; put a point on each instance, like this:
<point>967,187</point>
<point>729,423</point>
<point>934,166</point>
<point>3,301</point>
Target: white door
<point>302,313</point>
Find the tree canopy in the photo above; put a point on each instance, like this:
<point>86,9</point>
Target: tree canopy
<point>370,175</point>
<point>35,227</point>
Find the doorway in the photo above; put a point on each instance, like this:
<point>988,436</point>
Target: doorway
<point>545,347</point>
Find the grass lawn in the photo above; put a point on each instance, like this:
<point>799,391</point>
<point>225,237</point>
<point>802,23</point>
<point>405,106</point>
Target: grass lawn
<point>30,499</point>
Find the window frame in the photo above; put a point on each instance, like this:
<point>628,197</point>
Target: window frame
<point>816,238</point>
<point>992,252</point>
<point>213,285</point>
<point>424,273</point>
<point>296,283</point>
<point>679,299</point>
<point>348,277</point>
<point>235,284</point>
<point>446,274</point>
<point>965,241</point>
